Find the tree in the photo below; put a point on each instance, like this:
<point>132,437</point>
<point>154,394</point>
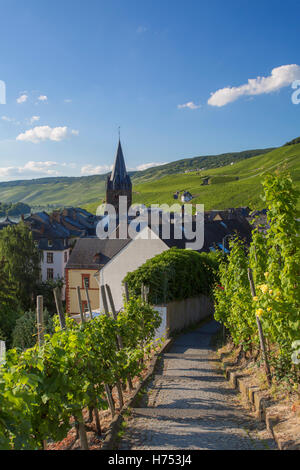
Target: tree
<point>24,335</point>
<point>9,306</point>
<point>46,290</point>
<point>22,262</point>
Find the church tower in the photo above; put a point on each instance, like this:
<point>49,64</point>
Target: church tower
<point>119,182</point>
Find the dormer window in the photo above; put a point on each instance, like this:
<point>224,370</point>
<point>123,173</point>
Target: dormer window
<point>50,243</point>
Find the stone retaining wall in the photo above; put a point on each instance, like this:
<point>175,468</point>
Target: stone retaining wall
<point>185,313</point>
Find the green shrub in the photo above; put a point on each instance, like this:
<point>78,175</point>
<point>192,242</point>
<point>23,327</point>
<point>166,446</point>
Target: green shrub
<point>175,274</point>
<point>8,319</point>
<point>24,335</point>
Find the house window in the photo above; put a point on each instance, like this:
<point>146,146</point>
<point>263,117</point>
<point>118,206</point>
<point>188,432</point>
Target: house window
<point>85,280</point>
<point>50,274</point>
<point>50,258</point>
<point>84,306</point>
<point>50,243</point>
<point>66,256</point>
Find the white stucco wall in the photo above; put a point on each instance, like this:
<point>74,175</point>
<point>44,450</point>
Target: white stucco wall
<point>58,265</point>
<point>136,253</point>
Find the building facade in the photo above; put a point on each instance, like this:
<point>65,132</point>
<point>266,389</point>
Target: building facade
<point>87,258</point>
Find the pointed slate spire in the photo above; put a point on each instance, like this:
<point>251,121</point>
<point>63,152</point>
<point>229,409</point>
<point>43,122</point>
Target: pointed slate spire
<point>119,178</point>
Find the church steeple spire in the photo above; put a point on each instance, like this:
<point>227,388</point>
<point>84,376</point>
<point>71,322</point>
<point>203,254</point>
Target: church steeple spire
<point>118,183</point>
<point>119,177</point>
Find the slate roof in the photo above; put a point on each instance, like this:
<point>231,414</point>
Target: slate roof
<point>43,227</point>
<point>214,232</point>
<point>94,253</point>
<point>58,244</point>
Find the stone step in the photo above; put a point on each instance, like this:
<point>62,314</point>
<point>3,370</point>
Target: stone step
<point>179,413</point>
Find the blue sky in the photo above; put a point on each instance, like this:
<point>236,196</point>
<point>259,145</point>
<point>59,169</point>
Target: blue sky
<point>75,70</point>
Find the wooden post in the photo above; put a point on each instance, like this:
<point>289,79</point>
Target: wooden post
<point>113,311</point>
<point>143,292</point>
<point>110,400</point>
<point>104,300</point>
<point>119,341</point>
<point>2,352</point>
<point>62,320</point>
<point>59,307</point>
<point>260,332</point>
<point>88,300</point>
<point>126,291</point>
<point>111,301</point>
<point>120,394</point>
<point>130,385</point>
<point>95,411</point>
<point>40,319</point>
<point>107,389</point>
<point>82,319</point>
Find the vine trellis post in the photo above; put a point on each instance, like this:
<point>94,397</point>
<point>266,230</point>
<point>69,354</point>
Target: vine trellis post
<point>60,311</point>
<point>260,332</point>
<point>119,342</point>
<point>40,319</point>
<point>40,333</point>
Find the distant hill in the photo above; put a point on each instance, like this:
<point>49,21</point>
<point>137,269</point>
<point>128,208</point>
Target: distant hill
<point>49,193</point>
<point>188,164</point>
<point>229,186</point>
<point>294,141</point>
<point>231,180</point>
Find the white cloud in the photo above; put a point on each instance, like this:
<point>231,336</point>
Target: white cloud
<point>95,170</point>
<point>89,169</point>
<point>22,99</point>
<point>43,98</point>
<point>34,119</point>
<point>39,167</point>
<point>145,166</point>
<point>10,120</point>
<point>74,132</point>
<point>69,165</point>
<point>30,169</point>
<point>68,101</point>
<point>189,105</point>
<point>43,133</point>
<point>7,119</point>
<point>280,77</point>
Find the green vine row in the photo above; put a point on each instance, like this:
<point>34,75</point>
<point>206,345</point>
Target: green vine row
<point>42,388</point>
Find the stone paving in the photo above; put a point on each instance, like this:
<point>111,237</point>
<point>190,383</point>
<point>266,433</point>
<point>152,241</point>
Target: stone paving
<point>189,404</point>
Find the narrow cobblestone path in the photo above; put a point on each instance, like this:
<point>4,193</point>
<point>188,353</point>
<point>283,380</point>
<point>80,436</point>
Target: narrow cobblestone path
<point>189,404</point>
